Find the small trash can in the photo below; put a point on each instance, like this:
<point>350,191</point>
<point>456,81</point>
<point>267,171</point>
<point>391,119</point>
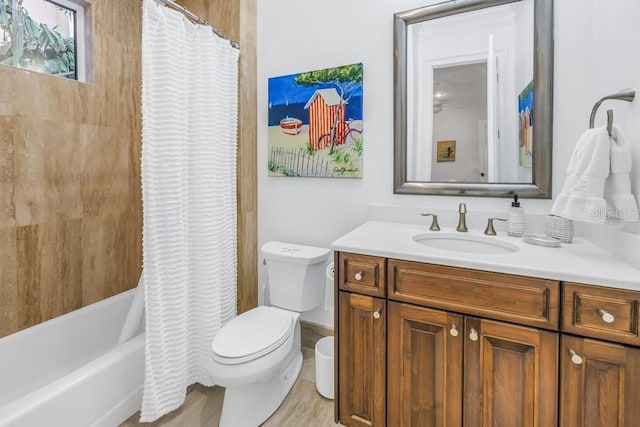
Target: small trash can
<point>324,367</point>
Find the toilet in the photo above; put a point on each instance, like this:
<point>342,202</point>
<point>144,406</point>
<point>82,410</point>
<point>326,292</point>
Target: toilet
<point>257,356</point>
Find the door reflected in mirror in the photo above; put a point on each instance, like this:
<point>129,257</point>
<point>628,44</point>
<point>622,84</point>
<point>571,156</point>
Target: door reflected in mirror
<point>460,112</point>
<point>465,75</point>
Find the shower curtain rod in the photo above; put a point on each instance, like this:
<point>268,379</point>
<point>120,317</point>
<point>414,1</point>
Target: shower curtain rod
<point>197,19</point>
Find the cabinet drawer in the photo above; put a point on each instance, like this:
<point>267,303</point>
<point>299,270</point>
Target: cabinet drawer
<point>362,274</point>
<point>519,299</point>
<point>610,314</point>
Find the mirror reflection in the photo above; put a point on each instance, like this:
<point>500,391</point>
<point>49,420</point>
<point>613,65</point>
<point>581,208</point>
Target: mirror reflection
<point>470,96</point>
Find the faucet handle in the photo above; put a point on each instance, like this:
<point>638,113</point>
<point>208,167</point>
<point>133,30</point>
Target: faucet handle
<point>434,223</point>
<point>462,208</point>
<point>490,231</point>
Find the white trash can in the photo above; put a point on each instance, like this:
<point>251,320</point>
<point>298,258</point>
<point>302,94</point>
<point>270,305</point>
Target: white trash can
<point>324,367</point>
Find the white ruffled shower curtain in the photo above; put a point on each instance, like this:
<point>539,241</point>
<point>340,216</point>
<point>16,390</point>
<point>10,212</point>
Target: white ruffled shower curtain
<point>189,117</point>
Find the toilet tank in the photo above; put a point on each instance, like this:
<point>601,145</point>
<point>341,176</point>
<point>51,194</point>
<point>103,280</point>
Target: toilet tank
<point>296,275</point>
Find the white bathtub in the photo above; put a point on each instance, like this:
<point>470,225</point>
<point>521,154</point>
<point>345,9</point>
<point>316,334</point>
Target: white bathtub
<point>69,371</point>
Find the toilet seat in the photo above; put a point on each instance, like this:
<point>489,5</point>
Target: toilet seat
<point>252,334</point>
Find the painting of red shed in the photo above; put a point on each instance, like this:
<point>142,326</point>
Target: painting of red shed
<point>315,123</point>
<point>324,108</point>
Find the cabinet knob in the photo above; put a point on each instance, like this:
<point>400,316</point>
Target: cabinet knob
<point>575,357</point>
<point>359,275</point>
<point>606,316</point>
<point>473,335</point>
<point>376,314</point>
<point>453,331</point>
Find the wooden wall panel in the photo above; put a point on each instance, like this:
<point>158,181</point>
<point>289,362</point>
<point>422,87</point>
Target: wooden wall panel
<point>247,160</point>
<point>70,198</point>
<point>223,15</point>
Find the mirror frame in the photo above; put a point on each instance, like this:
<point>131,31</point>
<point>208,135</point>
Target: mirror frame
<point>540,188</point>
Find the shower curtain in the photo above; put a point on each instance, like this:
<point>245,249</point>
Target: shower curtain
<point>189,122</point>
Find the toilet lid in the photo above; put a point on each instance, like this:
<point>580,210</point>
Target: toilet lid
<point>252,334</point>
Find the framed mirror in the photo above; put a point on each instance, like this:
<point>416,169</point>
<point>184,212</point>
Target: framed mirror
<point>473,98</point>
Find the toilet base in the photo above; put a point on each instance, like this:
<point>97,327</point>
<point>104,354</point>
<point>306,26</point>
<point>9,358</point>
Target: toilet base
<point>250,405</point>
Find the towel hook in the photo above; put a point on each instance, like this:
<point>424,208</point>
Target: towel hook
<point>624,95</point>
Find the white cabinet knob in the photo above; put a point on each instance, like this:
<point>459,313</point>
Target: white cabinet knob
<point>453,331</point>
<point>473,335</point>
<point>359,275</point>
<point>606,316</point>
<point>575,357</point>
<point>376,314</point>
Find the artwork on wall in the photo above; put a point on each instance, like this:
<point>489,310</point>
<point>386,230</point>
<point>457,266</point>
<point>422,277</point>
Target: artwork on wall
<point>525,116</point>
<point>315,123</point>
<point>446,151</point>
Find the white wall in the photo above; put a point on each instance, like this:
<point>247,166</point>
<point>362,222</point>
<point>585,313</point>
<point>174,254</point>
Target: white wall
<point>594,56</point>
<point>460,125</point>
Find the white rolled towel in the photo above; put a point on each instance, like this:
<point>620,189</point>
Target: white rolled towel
<point>621,203</point>
<point>582,196</point>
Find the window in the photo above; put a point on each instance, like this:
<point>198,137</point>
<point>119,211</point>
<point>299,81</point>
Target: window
<point>47,36</point>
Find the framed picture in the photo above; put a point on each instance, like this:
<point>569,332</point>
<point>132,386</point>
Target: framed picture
<point>446,151</point>
<point>315,123</point>
<point>525,118</point>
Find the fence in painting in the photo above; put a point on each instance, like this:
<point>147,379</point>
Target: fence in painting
<point>293,162</point>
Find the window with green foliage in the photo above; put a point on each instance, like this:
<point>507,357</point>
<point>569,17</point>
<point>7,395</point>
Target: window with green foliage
<point>43,36</point>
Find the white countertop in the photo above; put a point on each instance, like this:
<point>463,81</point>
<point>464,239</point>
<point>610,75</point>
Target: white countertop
<point>580,261</point>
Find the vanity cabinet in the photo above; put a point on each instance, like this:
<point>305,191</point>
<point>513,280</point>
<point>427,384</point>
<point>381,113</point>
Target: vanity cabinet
<point>431,345</point>
<point>505,374</point>
<point>438,353</point>
<point>425,350</point>
<point>510,375</point>
<point>362,363</point>
<point>600,382</point>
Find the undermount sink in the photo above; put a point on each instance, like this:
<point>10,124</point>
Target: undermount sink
<point>468,243</point>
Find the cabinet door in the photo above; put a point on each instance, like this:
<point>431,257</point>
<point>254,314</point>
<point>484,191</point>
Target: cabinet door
<point>510,375</point>
<point>425,367</point>
<point>600,384</point>
<point>362,360</point>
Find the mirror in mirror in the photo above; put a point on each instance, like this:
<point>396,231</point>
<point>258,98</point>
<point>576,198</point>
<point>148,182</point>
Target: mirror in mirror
<point>469,76</point>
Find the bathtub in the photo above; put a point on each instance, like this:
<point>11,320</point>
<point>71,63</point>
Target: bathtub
<point>69,371</point>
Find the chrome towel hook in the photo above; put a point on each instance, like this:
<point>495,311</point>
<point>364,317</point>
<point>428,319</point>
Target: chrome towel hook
<point>624,95</point>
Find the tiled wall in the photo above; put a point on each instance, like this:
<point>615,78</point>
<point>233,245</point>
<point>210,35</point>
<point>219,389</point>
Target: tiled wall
<point>70,205</point>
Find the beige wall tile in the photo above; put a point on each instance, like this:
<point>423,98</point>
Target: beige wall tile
<point>42,96</point>
<point>107,247</point>
<point>69,177</point>
<point>7,209</point>
<point>105,170</point>
<point>9,316</point>
<point>47,170</point>
<point>48,270</point>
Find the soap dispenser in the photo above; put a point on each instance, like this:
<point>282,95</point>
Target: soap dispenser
<point>515,218</point>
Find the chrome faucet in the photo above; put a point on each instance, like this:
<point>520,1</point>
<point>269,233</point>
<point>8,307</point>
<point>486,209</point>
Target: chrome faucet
<point>462,223</point>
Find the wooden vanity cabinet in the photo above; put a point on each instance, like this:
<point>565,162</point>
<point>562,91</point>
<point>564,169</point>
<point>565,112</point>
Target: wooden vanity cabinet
<point>508,372</point>
<point>424,366</point>
<point>362,362</point>
<point>430,345</point>
<point>600,384</point>
<point>600,380</point>
<point>510,375</point>
<point>505,374</point>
